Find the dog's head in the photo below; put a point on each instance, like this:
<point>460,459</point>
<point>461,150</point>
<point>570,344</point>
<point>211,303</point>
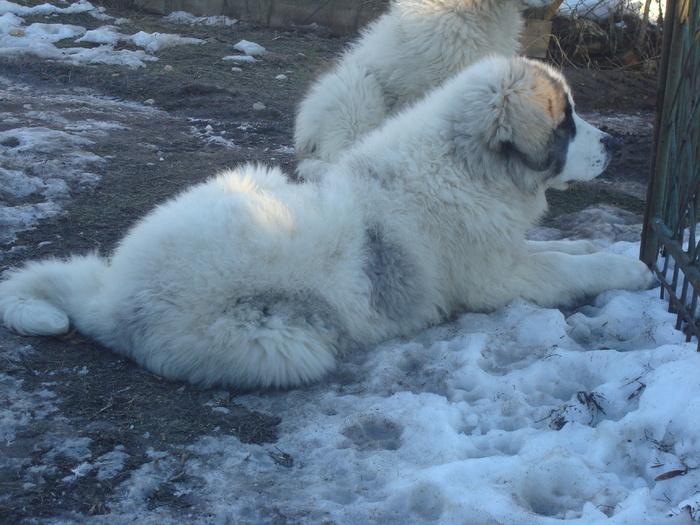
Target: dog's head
<point>521,113</point>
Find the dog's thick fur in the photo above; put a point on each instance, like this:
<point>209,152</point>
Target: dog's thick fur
<point>411,49</point>
<point>250,281</point>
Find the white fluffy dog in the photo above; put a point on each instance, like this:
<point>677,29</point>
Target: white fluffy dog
<point>413,48</point>
<point>251,281</point>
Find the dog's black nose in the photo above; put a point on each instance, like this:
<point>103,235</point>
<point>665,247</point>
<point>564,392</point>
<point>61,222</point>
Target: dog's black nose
<point>610,143</point>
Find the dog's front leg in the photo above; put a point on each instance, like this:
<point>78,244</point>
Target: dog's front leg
<point>579,247</point>
<point>555,279</point>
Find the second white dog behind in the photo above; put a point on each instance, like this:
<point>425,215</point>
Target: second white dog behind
<point>411,49</point>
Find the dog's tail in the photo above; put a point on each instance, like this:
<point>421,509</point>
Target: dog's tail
<point>44,297</point>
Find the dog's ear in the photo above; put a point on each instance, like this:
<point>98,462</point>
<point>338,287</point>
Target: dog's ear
<point>520,103</point>
<point>524,105</point>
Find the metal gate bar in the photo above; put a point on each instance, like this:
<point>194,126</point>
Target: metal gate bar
<point>673,195</point>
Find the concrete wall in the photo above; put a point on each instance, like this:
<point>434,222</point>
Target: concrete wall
<point>341,16</point>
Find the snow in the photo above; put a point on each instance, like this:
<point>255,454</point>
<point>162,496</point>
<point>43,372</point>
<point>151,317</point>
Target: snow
<point>81,6</point>
<point>20,409</point>
<point>53,153</point>
<point>240,58</point>
<point>523,416</point>
<point>45,149</point>
<point>210,136</point>
<point>182,17</point>
<point>526,416</point>
<point>250,48</point>
<point>154,42</point>
<point>38,39</point>
<point>39,160</point>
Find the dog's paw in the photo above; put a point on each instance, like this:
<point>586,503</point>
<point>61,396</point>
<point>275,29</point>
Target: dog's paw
<point>642,277</point>
<point>629,274</point>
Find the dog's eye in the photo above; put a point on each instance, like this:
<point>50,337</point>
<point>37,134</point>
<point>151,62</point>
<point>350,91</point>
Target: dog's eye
<point>568,123</point>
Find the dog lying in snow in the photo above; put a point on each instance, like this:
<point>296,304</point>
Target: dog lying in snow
<point>250,281</point>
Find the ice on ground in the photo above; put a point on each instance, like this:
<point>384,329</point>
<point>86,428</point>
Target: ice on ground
<point>38,39</point>
<point>39,161</point>
<point>19,408</point>
<point>212,137</point>
<point>250,48</point>
<point>45,150</point>
<point>154,42</point>
<point>81,6</point>
<point>183,17</point>
<point>629,123</point>
<point>598,223</point>
<point>104,35</point>
<point>240,58</point>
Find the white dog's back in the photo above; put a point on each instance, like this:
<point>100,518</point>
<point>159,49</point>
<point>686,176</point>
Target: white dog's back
<point>408,51</point>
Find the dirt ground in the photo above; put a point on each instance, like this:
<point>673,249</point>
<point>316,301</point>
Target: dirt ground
<point>118,402</point>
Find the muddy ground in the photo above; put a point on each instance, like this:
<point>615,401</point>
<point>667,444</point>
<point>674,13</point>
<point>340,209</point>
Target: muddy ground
<point>118,403</point>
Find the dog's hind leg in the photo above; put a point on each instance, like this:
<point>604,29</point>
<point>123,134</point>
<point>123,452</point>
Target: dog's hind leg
<point>272,339</point>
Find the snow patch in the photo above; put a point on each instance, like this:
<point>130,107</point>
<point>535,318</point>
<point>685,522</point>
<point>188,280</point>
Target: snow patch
<point>38,39</point>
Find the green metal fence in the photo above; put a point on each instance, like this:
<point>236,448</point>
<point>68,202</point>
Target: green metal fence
<point>670,242</point>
